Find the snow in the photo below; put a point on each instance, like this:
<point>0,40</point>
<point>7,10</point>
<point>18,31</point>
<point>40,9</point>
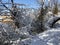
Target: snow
<point>50,37</point>
<point>21,36</point>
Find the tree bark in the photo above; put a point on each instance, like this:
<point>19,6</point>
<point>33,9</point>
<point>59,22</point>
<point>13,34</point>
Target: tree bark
<point>54,22</point>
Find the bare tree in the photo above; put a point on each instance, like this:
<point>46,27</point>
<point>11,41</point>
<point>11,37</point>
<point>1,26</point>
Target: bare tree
<point>42,14</point>
<point>13,12</point>
<point>55,9</point>
<point>39,23</point>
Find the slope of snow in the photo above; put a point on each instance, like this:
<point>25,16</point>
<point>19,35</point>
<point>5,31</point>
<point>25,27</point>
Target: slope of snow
<point>50,37</point>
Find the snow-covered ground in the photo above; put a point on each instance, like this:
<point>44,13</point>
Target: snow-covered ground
<point>21,36</point>
<point>50,37</point>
